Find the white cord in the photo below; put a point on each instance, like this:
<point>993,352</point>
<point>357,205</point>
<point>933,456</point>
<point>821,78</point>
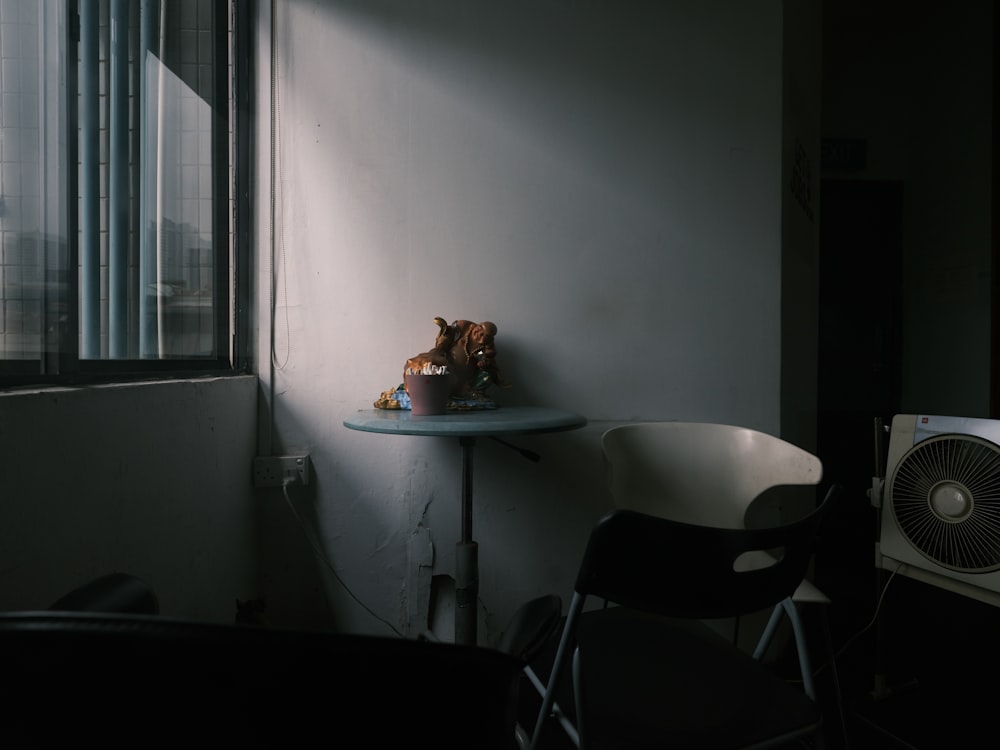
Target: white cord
<point>866,628</point>
<point>322,556</point>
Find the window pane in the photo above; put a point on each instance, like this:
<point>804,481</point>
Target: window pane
<point>178,261</point>
<point>114,183</point>
<point>33,228</point>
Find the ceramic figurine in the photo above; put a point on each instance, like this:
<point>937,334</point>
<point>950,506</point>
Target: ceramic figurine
<point>468,352</point>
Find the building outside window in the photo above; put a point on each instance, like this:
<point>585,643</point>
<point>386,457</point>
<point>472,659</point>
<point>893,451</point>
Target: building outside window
<point>120,197</point>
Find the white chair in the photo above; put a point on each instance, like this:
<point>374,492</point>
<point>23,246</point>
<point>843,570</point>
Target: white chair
<point>712,474</point>
<point>647,670</point>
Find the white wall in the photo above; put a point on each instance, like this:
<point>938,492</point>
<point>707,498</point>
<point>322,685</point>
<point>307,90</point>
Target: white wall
<point>605,184</point>
<point>151,479</point>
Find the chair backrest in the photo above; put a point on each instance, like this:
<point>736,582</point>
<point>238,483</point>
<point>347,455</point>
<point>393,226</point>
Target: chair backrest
<point>679,569</point>
<point>711,473</point>
<point>533,625</point>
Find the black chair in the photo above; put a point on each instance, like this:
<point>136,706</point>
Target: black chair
<point>115,592</point>
<point>731,476</point>
<point>649,669</point>
<point>530,631</point>
<point>74,674</point>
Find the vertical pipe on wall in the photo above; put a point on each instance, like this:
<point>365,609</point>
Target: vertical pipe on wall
<point>148,290</point>
<point>266,430</point>
<point>90,183</point>
<point>158,177</point>
<point>118,189</point>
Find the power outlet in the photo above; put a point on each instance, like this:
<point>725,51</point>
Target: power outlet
<point>277,471</point>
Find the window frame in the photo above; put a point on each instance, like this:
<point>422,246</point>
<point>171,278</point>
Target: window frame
<point>232,219</point>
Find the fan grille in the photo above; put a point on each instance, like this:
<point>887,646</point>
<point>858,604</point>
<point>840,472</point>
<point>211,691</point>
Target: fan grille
<point>945,497</point>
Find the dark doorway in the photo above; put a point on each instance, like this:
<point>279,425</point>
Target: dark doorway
<point>859,339</point>
<point>860,261</point>
<point>859,371</point>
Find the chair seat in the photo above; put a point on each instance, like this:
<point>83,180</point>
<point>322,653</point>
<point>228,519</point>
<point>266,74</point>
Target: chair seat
<point>734,703</point>
<point>806,593</point>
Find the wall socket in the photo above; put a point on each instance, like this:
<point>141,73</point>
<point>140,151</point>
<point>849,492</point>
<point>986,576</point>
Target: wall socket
<point>276,471</point>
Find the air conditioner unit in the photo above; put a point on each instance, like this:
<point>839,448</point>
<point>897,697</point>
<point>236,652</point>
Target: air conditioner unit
<point>939,505</point>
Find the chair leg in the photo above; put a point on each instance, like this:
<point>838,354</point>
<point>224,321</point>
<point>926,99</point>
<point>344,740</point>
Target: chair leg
<point>769,630</point>
<point>549,694</point>
<point>521,737</point>
<point>556,712</point>
<point>805,663</point>
<point>789,608</point>
<point>578,734</point>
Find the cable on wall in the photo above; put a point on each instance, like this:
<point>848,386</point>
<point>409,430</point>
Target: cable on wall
<point>277,214</point>
<point>322,556</point>
<point>277,271</point>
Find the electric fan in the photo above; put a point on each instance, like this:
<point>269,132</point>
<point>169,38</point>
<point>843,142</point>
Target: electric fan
<point>939,505</point>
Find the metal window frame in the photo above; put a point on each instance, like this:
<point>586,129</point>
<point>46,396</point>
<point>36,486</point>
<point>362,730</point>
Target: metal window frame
<point>61,363</point>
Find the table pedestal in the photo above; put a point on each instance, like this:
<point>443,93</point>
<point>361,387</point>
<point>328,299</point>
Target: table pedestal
<point>516,420</point>
<point>466,558</point>
<point>466,592</point>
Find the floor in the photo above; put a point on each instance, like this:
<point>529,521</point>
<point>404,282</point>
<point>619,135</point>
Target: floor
<point>924,678</point>
<point>554,738</point>
<point>916,662</point>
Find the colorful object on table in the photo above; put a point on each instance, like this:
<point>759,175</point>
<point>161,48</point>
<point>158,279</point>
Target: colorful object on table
<point>466,352</point>
<point>398,399</point>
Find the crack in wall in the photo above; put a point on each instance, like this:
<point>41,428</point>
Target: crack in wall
<point>419,578</point>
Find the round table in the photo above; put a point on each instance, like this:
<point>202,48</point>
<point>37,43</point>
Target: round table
<point>467,425</point>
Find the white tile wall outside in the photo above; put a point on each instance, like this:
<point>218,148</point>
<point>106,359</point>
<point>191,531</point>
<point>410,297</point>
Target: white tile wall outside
<point>19,182</point>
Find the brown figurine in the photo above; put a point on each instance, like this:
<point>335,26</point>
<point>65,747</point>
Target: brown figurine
<point>467,349</point>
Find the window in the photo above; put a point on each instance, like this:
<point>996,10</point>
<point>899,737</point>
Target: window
<point>122,189</point>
